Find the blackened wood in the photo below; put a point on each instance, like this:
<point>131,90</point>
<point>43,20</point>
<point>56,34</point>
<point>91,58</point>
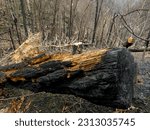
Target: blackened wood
<point>106,79</point>
<point>139,50</point>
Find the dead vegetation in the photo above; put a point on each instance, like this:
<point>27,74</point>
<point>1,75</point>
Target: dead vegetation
<point>61,27</point>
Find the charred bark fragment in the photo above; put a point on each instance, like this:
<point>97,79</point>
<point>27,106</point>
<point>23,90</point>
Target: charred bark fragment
<point>101,76</point>
<point>13,66</point>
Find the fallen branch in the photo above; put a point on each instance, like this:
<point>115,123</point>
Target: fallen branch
<point>138,50</point>
<point>133,11</point>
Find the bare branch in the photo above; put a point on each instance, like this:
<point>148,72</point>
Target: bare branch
<point>125,24</point>
<point>133,11</point>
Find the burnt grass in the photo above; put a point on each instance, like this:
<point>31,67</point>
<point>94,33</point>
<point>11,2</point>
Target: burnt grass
<point>142,87</point>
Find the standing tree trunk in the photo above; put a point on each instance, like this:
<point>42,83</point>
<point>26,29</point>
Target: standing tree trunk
<point>54,18</point>
<point>31,20</point>
<point>24,17</point>
<point>64,20</point>
<point>10,8</point>
<point>12,40</point>
<point>111,28</point>
<point>16,27</point>
<point>97,16</point>
<point>70,20</point>
<point>146,45</point>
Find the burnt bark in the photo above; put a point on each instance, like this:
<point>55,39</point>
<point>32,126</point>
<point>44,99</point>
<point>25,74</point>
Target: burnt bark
<point>103,78</point>
<point>139,50</point>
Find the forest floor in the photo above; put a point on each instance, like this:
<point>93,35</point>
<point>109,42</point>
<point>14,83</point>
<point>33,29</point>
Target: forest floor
<point>142,87</point>
<point>18,100</point>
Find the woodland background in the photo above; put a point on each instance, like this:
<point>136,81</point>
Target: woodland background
<point>104,23</point>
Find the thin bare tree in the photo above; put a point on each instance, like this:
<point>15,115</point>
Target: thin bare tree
<point>97,16</point>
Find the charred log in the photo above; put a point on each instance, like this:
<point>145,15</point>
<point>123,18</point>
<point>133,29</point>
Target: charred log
<point>102,76</point>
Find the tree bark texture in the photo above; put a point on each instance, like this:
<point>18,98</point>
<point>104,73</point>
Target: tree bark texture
<point>104,77</point>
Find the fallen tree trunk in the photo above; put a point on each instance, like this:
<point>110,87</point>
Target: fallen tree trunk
<point>101,76</point>
<point>139,50</point>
